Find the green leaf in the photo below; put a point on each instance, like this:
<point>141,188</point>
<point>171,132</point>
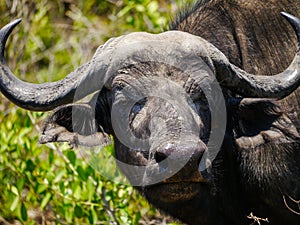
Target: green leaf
<point>77,191</point>
<point>30,165</point>
<point>14,204</point>
<point>20,183</point>
<point>137,217</point>
<point>121,193</point>
<point>15,190</point>
<point>72,157</point>
<point>69,214</point>
<point>90,189</point>
<point>140,8</point>
<point>51,156</point>
<point>82,174</point>
<point>41,188</point>
<point>23,212</point>
<point>78,211</point>
<point>92,216</point>
<point>59,176</point>
<point>153,7</point>
<point>46,200</point>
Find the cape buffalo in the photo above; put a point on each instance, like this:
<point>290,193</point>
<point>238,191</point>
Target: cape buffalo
<point>200,126</point>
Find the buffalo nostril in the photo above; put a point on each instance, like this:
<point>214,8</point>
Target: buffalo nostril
<point>183,154</point>
<point>159,156</point>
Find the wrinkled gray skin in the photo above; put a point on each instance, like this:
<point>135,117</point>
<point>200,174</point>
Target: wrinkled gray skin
<point>258,165</point>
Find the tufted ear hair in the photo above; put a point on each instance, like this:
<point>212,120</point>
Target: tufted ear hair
<point>76,125</point>
<point>261,122</point>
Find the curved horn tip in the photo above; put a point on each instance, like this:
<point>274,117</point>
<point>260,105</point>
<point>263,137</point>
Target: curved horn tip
<point>5,32</point>
<point>12,24</point>
<point>295,22</point>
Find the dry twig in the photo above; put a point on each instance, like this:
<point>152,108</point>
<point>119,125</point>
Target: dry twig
<point>257,219</point>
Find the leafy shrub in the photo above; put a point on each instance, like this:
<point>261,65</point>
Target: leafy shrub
<point>53,183</point>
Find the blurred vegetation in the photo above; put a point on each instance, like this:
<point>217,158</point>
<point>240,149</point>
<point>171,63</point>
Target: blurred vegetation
<point>52,184</point>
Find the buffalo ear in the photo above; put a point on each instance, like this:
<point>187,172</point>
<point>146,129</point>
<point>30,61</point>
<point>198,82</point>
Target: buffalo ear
<point>75,124</point>
<point>261,122</point>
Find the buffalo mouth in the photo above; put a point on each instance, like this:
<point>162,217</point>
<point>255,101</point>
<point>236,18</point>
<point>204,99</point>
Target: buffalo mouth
<point>183,186</point>
<point>174,192</point>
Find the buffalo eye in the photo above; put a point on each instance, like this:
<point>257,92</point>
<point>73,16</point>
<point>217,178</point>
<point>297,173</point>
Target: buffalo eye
<point>138,107</point>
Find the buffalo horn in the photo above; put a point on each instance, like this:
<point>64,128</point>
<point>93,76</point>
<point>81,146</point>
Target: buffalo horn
<point>249,85</point>
<point>36,97</point>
